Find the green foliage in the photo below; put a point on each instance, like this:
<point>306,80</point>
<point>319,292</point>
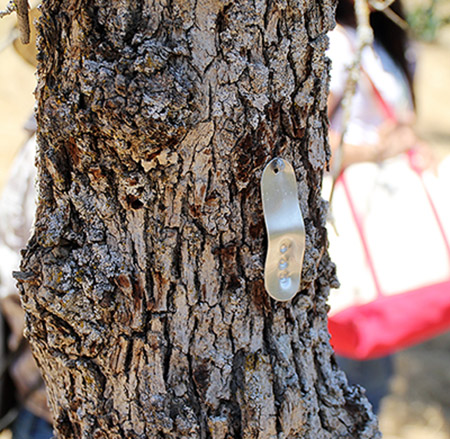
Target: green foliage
<point>425,21</point>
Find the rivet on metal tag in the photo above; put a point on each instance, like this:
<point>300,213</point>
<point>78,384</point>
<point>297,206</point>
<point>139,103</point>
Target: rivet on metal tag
<point>285,230</point>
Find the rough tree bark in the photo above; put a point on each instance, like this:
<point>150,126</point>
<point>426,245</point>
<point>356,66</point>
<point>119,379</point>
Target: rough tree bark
<point>143,281</point>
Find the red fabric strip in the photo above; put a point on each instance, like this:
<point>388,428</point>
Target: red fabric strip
<point>384,326</point>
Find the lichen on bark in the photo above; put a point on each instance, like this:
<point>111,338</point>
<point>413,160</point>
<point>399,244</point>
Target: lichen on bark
<point>142,282</point>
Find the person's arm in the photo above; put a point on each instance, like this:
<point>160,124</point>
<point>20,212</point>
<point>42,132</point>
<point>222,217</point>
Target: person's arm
<point>393,139</point>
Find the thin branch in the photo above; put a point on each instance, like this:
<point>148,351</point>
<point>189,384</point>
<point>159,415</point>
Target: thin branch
<point>23,23</point>
<point>364,38</point>
<point>399,21</point>
<point>10,8</point>
<point>384,6</point>
<point>364,35</point>
<point>381,5</point>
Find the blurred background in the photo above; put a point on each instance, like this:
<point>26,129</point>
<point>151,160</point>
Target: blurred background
<point>418,406</point>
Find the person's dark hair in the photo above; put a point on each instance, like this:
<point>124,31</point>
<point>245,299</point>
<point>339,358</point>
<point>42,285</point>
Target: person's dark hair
<point>393,38</point>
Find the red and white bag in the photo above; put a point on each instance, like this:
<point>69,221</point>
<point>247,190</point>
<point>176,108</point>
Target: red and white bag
<point>390,242</point>
<point>393,259</point>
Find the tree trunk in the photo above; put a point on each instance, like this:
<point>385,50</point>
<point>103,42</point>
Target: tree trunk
<point>143,281</point>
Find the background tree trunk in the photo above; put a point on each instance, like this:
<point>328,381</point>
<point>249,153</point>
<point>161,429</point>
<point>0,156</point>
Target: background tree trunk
<point>143,282</point>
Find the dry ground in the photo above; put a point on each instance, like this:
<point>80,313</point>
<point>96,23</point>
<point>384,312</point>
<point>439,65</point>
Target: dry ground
<point>419,404</point>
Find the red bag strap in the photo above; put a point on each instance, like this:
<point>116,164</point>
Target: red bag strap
<point>391,115</point>
<point>362,234</point>
<point>385,107</point>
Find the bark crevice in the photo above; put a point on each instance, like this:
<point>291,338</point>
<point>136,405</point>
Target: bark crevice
<point>155,124</point>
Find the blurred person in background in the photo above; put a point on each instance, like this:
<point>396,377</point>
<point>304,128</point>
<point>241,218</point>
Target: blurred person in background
<point>17,209</point>
<point>371,136</point>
